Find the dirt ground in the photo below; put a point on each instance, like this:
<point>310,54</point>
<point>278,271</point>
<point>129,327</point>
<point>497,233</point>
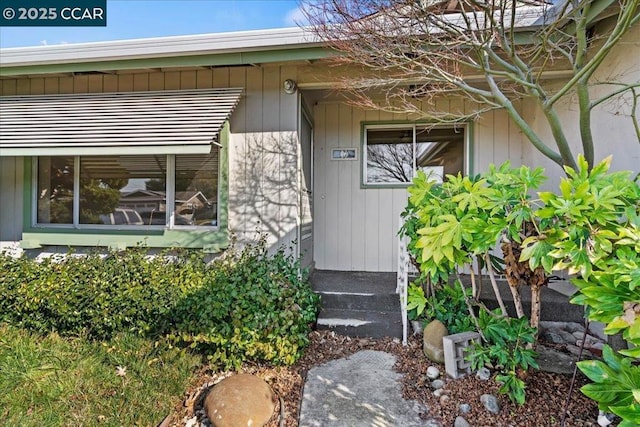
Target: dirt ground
<point>546,393</point>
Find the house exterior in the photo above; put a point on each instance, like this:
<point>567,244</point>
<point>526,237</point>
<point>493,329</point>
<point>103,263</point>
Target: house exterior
<point>203,136</point>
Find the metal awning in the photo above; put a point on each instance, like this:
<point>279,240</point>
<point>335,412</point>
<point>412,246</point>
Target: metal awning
<point>159,122</point>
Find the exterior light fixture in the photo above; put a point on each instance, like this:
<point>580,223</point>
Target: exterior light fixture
<point>290,86</point>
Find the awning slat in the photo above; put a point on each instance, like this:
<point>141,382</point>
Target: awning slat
<point>47,123</point>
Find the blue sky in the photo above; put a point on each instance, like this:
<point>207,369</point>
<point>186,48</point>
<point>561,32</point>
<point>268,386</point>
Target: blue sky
<point>129,19</point>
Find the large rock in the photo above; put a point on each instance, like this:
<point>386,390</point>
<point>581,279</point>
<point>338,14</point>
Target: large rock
<point>240,400</point>
<point>432,341</point>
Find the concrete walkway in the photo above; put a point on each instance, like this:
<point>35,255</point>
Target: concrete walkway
<point>361,390</point>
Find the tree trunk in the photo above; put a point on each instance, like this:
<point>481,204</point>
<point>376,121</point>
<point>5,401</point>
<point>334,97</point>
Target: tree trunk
<point>520,274</point>
<point>494,284</point>
<point>535,307</point>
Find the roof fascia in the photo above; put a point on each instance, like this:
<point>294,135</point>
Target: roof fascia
<point>210,60</point>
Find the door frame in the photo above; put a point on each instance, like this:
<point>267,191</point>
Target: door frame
<point>305,114</point>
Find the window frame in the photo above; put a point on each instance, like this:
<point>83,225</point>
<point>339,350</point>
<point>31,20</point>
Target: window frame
<point>76,225</point>
<point>467,128</point>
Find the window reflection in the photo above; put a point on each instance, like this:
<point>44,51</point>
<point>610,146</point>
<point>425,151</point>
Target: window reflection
<point>395,153</point>
<point>122,190</point>
<point>55,190</point>
<point>196,190</point>
<point>129,190</point>
<point>389,155</point>
<point>439,152</point>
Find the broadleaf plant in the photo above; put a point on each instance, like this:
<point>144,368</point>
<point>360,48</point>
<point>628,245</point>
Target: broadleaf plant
<point>592,228</point>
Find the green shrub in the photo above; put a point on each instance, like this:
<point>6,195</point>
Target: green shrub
<point>95,295</point>
<point>256,306</point>
<point>246,305</point>
<point>448,306</point>
<point>506,349</point>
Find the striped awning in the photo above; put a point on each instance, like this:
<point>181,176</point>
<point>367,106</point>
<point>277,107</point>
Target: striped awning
<point>159,122</point>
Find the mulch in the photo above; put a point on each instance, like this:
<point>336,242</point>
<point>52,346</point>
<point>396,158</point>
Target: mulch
<point>546,393</point>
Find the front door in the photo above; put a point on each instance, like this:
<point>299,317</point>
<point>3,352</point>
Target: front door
<point>306,192</point>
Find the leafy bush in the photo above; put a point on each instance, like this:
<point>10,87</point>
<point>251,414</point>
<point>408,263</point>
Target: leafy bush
<point>448,306</point>
<point>245,305</point>
<point>257,306</point>
<point>592,227</point>
<point>95,295</point>
<point>416,301</point>
<point>614,386</point>
<point>505,349</point>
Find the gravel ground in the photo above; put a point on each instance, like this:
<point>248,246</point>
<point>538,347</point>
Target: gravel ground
<point>546,393</point>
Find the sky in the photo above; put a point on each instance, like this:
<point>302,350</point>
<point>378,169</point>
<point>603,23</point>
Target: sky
<point>132,19</point>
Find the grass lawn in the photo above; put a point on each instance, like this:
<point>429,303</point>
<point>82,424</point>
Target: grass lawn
<point>54,381</point>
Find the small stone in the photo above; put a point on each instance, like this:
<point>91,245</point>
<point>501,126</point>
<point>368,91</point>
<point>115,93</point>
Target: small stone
<point>597,330</point>
<point>437,384</point>
<point>444,399</point>
<point>465,408</point>
<point>432,423</point>
<point>597,346</point>
<point>432,341</point>
<point>483,374</point>
<point>572,327</point>
<point>552,337</point>
<point>433,372</point>
<point>460,422</point>
<point>545,325</point>
<point>567,337</point>
<point>490,403</point>
<point>191,422</point>
<point>579,335</point>
<point>590,343</point>
<point>439,392</point>
<point>573,349</point>
<point>605,419</point>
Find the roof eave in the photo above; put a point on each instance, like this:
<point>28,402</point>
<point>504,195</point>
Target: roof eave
<point>219,49</point>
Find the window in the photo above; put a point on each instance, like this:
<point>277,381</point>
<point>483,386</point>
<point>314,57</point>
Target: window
<point>393,153</point>
<point>128,191</point>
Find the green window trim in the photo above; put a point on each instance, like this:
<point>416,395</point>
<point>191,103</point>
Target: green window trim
<point>211,240</point>
<point>468,151</point>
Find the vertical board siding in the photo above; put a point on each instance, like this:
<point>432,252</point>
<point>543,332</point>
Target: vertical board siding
<point>320,170</point>
<point>290,214</point>
<point>333,209</point>
<point>345,221</point>
<point>11,187</point>
<point>356,228</point>
<point>358,197</point>
<point>263,147</point>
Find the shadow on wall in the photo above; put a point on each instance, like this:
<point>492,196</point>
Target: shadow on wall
<point>263,187</point>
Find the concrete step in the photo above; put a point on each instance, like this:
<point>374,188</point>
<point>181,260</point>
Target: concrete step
<point>361,323</point>
<point>360,301</point>
<point>358,304</point>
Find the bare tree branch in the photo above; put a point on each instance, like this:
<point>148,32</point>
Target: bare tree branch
<point>493,52</point>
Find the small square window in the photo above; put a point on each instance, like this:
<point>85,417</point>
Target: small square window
<point>393,154</point>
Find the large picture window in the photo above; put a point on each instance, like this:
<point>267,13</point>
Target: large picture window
<point>393,153</point>
<point>137,191</point>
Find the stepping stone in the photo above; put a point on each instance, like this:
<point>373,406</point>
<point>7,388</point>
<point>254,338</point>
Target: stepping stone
<point>360,390</point>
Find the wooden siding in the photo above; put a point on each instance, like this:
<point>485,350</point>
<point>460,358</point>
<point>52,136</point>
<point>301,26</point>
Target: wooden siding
<point>11,179</point>
<point>263,149</point>
<point>356,228</point>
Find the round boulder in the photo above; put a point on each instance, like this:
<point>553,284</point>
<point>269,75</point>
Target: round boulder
<point>432,341</point>
<point>240,400</point>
